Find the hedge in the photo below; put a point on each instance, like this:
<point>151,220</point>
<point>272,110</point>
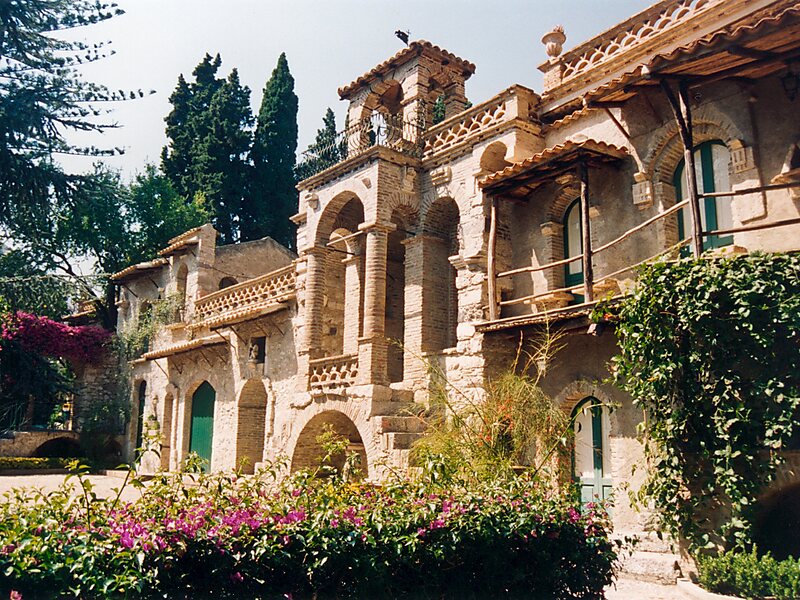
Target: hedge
<point>236,537</point>
<point>749,575</point>
<point>28,463</point>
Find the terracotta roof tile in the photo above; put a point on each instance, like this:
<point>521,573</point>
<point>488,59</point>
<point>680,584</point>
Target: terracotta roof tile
<point>551,154</point>
<point>402,56</point>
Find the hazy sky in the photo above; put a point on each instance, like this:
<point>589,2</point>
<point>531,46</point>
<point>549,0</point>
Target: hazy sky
<point>328,44</point>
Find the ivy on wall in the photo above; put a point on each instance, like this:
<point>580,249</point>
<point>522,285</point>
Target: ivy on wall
<point>710,350</point>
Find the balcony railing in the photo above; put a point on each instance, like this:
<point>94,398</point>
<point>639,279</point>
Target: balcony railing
<point>333,374</point>
<point>246,298</point>
<point>377,130</point>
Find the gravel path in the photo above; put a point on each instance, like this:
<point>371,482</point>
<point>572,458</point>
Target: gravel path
<point>104,485</point>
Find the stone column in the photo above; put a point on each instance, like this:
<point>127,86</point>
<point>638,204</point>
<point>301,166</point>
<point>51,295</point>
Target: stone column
<point>352,304</point>
<point>372,344</point>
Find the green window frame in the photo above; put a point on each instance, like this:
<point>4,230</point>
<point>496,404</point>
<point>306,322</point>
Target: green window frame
<point>710,206</point>
<point>572,277</point>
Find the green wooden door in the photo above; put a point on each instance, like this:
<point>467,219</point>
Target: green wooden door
<point>711,163</point>
<point>589,462</point>
<point>202,430</point>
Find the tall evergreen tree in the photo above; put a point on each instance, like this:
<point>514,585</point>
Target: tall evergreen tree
<point>222,170</point>
<point>272,197</point>
<point>209,138</point>
<point>324,152</point>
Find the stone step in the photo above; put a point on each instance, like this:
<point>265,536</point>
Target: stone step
<point>400,440</point>
<point>646,541</point>
<point>404,396</point>
<point>657,567</point>
<point>400,424</point>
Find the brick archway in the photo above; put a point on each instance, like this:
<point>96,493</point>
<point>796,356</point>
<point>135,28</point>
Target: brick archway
<point>308,452</point>
<point>251,419</point>
<point>346,410</point>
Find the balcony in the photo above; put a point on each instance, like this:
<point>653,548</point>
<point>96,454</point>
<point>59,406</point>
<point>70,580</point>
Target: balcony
<point>249,299</point>
<point>333,374</point>
<point>377,130</point>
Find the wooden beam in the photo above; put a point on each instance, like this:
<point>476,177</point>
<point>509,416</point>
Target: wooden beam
<point>756,227</point>
<point>588,276</point>
<point>683,116</point>
<point>491,270</point>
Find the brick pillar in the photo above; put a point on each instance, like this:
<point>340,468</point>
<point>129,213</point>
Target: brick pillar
<point>414,368</point>
<point>352,304</point>
<point>372,344</point>
<point>311,342</point>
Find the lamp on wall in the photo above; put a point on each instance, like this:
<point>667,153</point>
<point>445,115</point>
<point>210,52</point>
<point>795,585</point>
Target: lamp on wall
<point>790,82</point>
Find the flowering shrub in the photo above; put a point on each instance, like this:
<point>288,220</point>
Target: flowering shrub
<point>237,537</point>
<point>47,337</point>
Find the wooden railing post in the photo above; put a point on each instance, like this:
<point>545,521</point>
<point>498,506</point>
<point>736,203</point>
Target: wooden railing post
<point>491,269</point>
<point>586,233</point>
<point>683,116</point>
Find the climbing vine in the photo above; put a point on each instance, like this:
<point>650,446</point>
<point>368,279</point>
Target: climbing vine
<point>138,336</point>
<point>710,350</point>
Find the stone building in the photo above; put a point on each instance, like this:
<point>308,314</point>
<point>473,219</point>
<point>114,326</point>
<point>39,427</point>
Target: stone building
<point>445,243</point>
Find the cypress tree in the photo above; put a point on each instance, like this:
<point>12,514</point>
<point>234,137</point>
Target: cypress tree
<point>221,163</point>
<point>272,197</point>
<point>176,158</point>
<point>324,152</point>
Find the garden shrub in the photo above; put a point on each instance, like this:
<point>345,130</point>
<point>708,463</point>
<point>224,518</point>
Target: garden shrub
<point>750,576</point>
<point>25,463</point>
<point>710,350</point>
<point>250,537</point>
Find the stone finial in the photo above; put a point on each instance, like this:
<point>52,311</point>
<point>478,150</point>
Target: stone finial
<point>554,40</point>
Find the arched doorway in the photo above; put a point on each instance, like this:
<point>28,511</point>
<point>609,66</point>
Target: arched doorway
<point>309,452</point>
<point>777,522</point>
<point>251,424</point>
<point>166,432</point>
<point>591,465</point>
<point>201,432</point>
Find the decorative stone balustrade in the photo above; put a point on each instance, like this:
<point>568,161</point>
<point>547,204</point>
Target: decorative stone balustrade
<point>514,103</point>
<point>242,300</point>
<point>654,22</point>
<point>333,374</point>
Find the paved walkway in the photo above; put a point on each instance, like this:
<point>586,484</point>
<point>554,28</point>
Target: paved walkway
<point>631,589</point>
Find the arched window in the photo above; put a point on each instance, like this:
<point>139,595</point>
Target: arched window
<point>227,282</point>
<point>591,465</point>
<point>711,163</point>
<point>573,246</point>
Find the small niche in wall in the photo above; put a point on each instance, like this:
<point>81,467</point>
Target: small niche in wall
<point>258,350</point>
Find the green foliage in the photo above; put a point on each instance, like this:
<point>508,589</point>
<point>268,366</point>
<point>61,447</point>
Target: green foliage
<point>325,151</point>
<point>709,351</point>
<point>438,109</point>
<point>273,197</point>
<point>137,338</point>
<point>21,463</point>
<point>750,576</point>
<point>42,95</point>
<point>25,286</point>
<point>513,425</point>
<point>226,536</point>
<point>31,387</point>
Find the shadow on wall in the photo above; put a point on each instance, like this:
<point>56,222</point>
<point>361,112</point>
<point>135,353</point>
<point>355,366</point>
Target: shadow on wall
<point>777,523</point>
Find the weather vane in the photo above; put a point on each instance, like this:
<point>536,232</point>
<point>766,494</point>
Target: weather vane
<point>403,35</point>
